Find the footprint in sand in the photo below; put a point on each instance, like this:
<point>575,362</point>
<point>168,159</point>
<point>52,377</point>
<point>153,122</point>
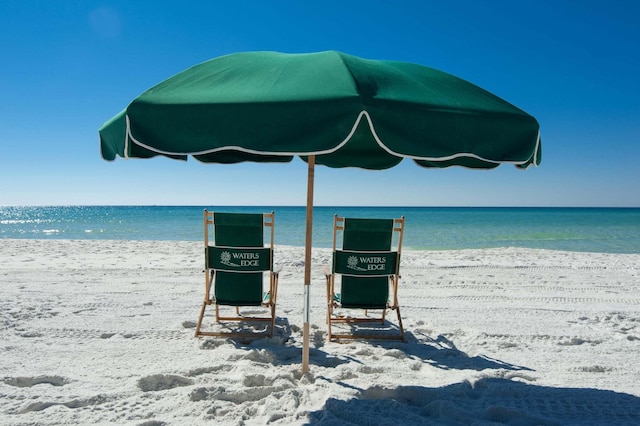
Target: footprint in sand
<point>160,382</point>
<point>27,382</point>
<point>189,324</point>
<point>76,403</point>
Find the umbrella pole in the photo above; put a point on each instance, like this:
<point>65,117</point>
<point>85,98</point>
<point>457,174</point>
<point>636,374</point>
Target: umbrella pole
<point>307,264</point>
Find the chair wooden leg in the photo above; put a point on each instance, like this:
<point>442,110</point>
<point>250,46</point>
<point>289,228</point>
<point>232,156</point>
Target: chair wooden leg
<point>400,324</point>
<point>273,319</point>
<point>329,297</point>
<point>204,305</point>
<point>329,316</point>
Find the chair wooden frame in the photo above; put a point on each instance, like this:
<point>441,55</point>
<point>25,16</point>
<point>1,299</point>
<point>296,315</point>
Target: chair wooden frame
<point>334,302</point>
<point>269,299</point>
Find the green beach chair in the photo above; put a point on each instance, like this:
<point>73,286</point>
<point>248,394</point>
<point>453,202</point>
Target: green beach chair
<point>364,275</point>
<point>236,263</point>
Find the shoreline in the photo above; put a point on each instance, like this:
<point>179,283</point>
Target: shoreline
<point>200,242</point>
<point>611,230</point>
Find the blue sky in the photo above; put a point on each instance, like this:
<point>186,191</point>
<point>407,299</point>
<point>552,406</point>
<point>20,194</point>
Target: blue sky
<point>68,66</point>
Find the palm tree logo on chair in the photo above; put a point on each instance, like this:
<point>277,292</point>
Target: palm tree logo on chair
<point>225,259</point>
<point>352,263</point>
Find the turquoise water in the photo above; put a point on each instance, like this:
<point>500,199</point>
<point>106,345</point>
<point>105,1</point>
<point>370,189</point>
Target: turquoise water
<point>608,230</point>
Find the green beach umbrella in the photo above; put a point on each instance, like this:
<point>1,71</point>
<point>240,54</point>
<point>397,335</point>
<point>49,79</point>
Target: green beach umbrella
<point>328,108</point>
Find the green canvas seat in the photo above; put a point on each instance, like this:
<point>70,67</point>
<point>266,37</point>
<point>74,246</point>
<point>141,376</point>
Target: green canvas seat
<point>236,262</point>
<point>364,275</point>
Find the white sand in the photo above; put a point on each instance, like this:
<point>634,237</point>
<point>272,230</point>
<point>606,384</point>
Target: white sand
<point>101,332</point>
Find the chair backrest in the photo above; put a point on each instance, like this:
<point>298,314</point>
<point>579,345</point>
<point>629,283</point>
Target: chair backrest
<point>238,255</point>
<point>239,229</point>
<point>367,259</point>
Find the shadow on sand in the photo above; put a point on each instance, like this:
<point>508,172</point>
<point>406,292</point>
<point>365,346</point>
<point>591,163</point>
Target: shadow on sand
<point>443,353</point>
<point>439,352</point>
<point>488,401</point>
<point>276,350</point>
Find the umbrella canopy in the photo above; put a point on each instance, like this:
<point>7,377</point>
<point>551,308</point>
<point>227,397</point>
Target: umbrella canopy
<point>344,110</point>
<point>329,108</point>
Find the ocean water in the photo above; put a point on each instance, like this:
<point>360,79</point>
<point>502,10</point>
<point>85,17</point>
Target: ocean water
<point>607,230</point>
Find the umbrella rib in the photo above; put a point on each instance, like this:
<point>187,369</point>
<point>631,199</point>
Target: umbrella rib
<point>127,135</point>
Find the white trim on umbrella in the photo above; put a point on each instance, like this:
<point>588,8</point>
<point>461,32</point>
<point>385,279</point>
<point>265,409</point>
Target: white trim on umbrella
<point>129,136</point>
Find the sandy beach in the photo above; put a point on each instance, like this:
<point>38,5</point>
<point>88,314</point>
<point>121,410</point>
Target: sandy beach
<point>101,332</point>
